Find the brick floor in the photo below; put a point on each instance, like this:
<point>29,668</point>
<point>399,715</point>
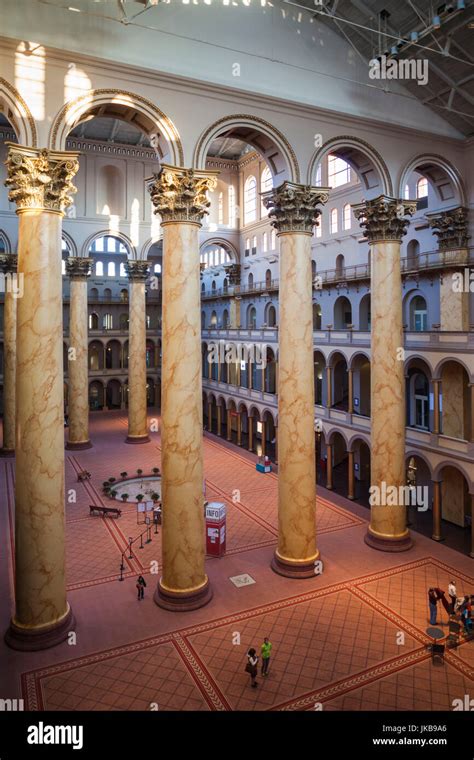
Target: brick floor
<point>353,638</point>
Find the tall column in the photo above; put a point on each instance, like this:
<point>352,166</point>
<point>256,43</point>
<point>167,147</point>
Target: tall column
<point>329,466</point>
<point>436,420</point>
<point>209,417</point>
<point>8,265</point>
<point>264,438</point>
<point>471,553</point>
<point>40,182</point>
<point>437,511</point>
<point>350,373</point>
<point>137,410</point>
<point>384,223</point>
<point>293,212</point>
<point>471,399</point>
<point>350,475</point>
<point>180,197</point>
<point>219,419</point>
<point>250,424</point>
<point>78,396</point>
<point>276,444</point>
<point>229,425</point>
<point>239,430</point>
<point>329,387</point>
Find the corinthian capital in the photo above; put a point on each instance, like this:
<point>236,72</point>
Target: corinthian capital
<point>180,195</point>
<point>137,270</point>
<point>384,218</point>
<point>294,208</point>
<point>78,268</point>
<point>40,178</point>
<point>8,263</point>
<point>450,227</point>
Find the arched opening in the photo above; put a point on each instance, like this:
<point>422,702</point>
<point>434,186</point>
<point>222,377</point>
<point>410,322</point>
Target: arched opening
<point>418,314</point>
<point>361,385</point>
<point>150,392</point>
<point>113,394</point>
<point>96,395</point>
<point>455,508</point>
<point>340,391</point>
<point>319,377</point>
<point>418,394</point>
<point>269,374</point>
<point>342,313</point>
<point>365,313</point>
<point>251,317</point>
<point>316,316</point>
<point>340,266</point>
<point>413,253</point>
<point>361,471</point>
<point>113,354</point>
<point>96,355</point>
<point>93,321</point>
<point>270,315</point>
<point>455,401</point>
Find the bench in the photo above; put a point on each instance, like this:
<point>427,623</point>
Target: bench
<point>104,510</point>
<point>83,475</point>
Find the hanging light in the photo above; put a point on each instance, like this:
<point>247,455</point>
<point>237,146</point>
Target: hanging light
<point>436,22</point>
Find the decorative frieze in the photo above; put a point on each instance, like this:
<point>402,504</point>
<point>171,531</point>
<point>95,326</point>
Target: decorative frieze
<point>40,179</point>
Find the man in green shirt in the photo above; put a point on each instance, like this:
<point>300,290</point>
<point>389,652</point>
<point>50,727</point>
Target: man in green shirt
<point>266,649</point>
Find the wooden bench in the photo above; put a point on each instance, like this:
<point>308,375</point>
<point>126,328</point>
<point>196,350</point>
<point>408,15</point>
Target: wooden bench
<point>104,510</point>
<point>83,475</point>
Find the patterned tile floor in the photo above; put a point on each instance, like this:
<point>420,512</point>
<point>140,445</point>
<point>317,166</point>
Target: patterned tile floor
<point>353,638</point>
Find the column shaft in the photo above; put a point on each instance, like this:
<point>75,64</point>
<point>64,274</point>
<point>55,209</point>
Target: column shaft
<point>250,424</point>
<point>329,485</point>
<point>137,369</point>
<point>78,394</point>
<point>9,266</point>
<point>437,511</point>
<point>436,420</point>
<point>350,475</point>
<point>219,419</point>
<point>209,417</point>
<point>351,391</point>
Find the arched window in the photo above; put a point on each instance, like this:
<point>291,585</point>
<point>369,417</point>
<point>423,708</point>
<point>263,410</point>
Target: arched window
<point>319,226</point>
<point>99,268</point>
<point>333,220</point>
<point>107,321</point>
<point>213,319</point>
<point>418,314</point>
<point>111,269</point>
<point>225,318</point>
<point>252,318</point>
<point>266,184</point>
<point>213,286</point>
<point>157,269</point>
<point>250,280</point>
<point>107,294</point>
<point>264,242</point>
<point>232,207</point>
<point>268,278</point>
<point>274,239</point>
<point>254,244</point>
<point>339,171</point>
<point>316,316</point>
<point>318,181</point>
<point>93,321</point>
<point>271,316</point>
<point>407,192</point>
<point>220,213</point>
<point>250,200</point>
<point>122,272</point>
<point>422,188</point>
<point>347,216</point>
<point>340,265</point>
<point>63,266</point>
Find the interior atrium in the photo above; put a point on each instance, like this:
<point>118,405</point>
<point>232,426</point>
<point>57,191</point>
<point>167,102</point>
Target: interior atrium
<point>236,355</point>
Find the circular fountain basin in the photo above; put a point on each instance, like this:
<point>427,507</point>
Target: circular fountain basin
<point>144,484</point>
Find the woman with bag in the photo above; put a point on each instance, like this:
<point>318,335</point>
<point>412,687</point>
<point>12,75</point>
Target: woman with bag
<point>252,667</point>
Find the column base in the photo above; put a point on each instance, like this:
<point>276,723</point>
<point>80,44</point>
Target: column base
<point>137,439</point>
<point>388,544</point>
<point>182,602</point>
<point>7,452</point>
<point>26,640</point>
<point>79,446</point>
<point>437,538</point>
<point>290,570</point>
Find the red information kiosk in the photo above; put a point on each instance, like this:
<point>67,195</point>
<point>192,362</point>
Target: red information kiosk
<point>215,528</point>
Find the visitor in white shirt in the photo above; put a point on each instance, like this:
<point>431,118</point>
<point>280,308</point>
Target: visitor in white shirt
<point>452,595</point>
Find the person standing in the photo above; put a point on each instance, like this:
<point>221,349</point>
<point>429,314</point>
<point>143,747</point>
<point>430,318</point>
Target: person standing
<point>432,600</point>
<point>452,593</point>
<point>266,650</point>
<point>252,667</point>
<point>141,584</point>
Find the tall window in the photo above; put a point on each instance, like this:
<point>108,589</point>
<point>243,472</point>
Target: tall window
<point>274,239</point>
<point>250,200</point>
<point>157,269</point>
<point>63,266</point>
<point>107,321</point>
<point>266,184</point>
<point>220,217</point>
<point>231,200</point>
<point>333,220</point>
<point>318,181</point>
<point>264,242</point>
<point>111,269</point>
<point>347,216</point>
<point>407,192</point>
<point>319,227</point>
<point>122,273</point>
<point>422,188</point>
<point>254,244</point>
<point>339,171</point>
<point>99,268</point>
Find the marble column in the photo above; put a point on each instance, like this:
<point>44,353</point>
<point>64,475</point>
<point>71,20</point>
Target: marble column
<point>293,211</point>
<point>350,475</point>
<point>229,425</point>
<point>264,438</point>
<point>8,265</point>
<point>384,223</point>
<point>219,420</point>
<point>471,553</point>
<point>250,424</point>
<point>137,370</point>
<point>350,373</point>
<point>329,387</point>
<point>40,182</point>
<point>437,511</point>
<point>471,423</point>
<point>329,466</point>
<point>239,430</point>
<point>436,415</point>
<point>78,270</point>
<point>209,417</point>
<point>180,197</point>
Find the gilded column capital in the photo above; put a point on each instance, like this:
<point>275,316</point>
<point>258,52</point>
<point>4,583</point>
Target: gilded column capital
<point>384,218</point>
<point>8,263</point>
<point>293,207</point>
<point>78,268</point>
<point>40,178</point>
<point>137,270</point>
<point>180,195</point>
<point>450,227</point>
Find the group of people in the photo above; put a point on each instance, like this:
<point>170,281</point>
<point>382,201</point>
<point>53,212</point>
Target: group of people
<point>252,661</point>
<point>456,605</point>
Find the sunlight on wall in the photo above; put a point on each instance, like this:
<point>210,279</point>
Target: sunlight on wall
<point>30,76</point>
<point>135,221</point>
<point>155,225</point>
<point>76,83</point>
<point>114,223</point>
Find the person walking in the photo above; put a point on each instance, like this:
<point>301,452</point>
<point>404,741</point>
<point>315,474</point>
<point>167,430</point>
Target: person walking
<point>266,650</point>
<point>452,593</point>
<point>141,585</point>
<point>252,667</point>
<point>432,600</point>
